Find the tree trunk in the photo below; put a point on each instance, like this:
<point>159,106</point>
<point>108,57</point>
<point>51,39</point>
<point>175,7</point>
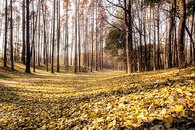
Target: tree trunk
<point>140,36</point>
<point>23,31</point>
<point>27,38</point>
<point>92,37</point>
<point>96,59</point>
<point>128,23</point>
<point>149,41</point>
<point>154,46</point>
<point>79,36</point>
<point>52,59</point>
<point>75,60</point>
<point>169,54</point>
<point>44,24</point>
<point>181,32</point>
<point>145,51</point>
<point>158,40</point>
<point>11,37</point>
<point>5,47</point>
<point>58,38</point>
<point>67,63</point>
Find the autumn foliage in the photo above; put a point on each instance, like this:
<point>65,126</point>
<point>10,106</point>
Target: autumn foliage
<point>160,99</point>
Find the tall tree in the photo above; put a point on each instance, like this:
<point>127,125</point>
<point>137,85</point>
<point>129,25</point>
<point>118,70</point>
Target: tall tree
<point>181,33</point>
<point>58,38</point>
<point>5,46</point>
<point>169,53</point>
<point>129,41</point>
<point>45,42</point>
<point>154,46</point>
<point>75,38</point>
<point>23,32</point>
<point>52,57</point>
<point>39,35</point>
<point>11,37</point>
<point>79,36</point>
<point>67,63</point>
<point>158,37</point>
<point>96,59</point>
<point>27,38</point>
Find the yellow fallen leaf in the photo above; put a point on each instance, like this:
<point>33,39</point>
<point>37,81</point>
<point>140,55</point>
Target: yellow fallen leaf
<point>139,121</point>
<point>164,111</point>
<point>167,95</point>
<point>99,120</point>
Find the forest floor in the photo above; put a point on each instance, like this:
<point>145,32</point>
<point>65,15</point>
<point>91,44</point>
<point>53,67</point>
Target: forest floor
<point>162,99</point>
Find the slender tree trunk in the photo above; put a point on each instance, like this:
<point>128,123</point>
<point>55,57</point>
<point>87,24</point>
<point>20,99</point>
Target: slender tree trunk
<point>194,38</point>
<point>96,59</point>
<point>52,59</point>
<point>67,63</point>
<point>11,37</point>
<point>169,54</point>
<point>154,47</point>
<point>100,46</point>
<point>128,23</point>
<point>79,38</point>
<point>23,31</point>
<point>75,60</point>
<point>140,36</point>
<point>44,24</point>
<point>72,43</point>
<point>33,43</point>
<point>58,38</point>
<point>145,51</point>
<point>50,45</point>
<point>181,33</point>
<point>92,37</point>
<point>158,40</point>
<point>149,43</point>
<point>39,35</point>
<point>5,46</point>
<point>27,38</point>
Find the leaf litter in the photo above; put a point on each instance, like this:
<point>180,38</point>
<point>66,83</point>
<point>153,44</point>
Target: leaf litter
<point>163,99</point>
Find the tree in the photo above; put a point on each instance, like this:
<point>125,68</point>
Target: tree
<point>23,31</point>
<point>154,46</point>
<point>11,37</point>
<point>128,26</point>
<point>52,59</point>
<point>168,53</point>
<point>92,4</point>
<point>39,35</point>
<point>75,38</point>
<point>181,33</point>
<point>33,40</point>
<point>5,46</point>
<point>58,38</point>
<point>27,38</point>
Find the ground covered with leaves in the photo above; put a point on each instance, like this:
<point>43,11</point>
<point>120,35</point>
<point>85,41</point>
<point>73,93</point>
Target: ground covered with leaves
<point>161,99</point>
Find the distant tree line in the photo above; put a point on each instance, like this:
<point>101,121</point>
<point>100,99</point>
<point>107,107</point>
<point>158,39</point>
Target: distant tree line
<point>157,34</point>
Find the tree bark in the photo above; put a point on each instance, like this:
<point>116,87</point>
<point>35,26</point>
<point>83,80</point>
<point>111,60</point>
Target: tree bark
<point>5,46</point>
<point>11,37</point>
<point>154,46</point>
<point>27,38</point>
<point>75,60</point>
<point>79,36</point>
<point>52,57</point>
<point>23,31</point>
<point>181,32</point>
<point>169,54</point>
<point>92,37</point>
<point>58,38</point>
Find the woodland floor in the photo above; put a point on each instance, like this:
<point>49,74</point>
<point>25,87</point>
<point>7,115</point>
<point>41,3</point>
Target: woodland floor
<point>163,99</point>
